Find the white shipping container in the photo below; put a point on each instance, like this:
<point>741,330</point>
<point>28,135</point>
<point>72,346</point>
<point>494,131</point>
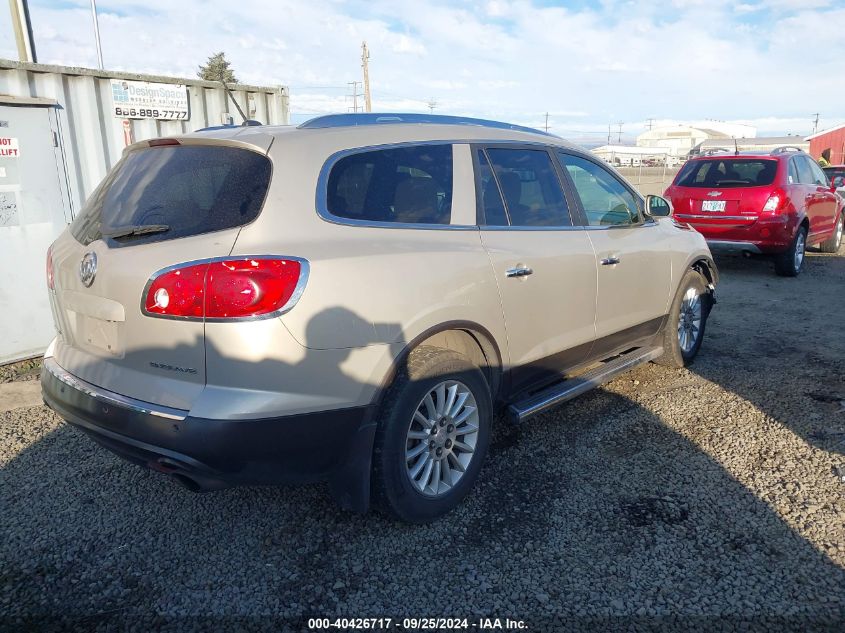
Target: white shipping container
<point>61,130</point>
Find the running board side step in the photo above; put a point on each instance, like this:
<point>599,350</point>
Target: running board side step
<point>552,396</point>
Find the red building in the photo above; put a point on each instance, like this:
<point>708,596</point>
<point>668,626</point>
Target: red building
<point>832,139</point>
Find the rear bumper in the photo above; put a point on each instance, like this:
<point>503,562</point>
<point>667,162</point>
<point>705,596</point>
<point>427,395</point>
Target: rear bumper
<point>761,235</point>
<point>206,454</point>
<point>726,246</point>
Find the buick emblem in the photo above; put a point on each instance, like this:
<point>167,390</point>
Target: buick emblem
<point>714,194</point>
<point>88,268</point>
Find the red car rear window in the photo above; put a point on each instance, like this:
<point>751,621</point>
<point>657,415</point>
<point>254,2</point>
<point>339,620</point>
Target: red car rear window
<point>728,172</point>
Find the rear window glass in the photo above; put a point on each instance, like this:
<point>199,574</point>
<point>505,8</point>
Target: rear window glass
<point>411,185</point>
<point>728,172</point>
<point>174,191</point>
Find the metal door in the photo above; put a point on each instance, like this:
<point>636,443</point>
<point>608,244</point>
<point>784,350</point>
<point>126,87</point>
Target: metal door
<point>33,193</point>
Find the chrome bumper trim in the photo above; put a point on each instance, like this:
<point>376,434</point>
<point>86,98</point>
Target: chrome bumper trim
<point>736,247</point>
<point>104,395</point>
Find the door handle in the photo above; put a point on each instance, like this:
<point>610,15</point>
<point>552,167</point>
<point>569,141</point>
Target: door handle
<point>519,271</point>
<point>610,261</point>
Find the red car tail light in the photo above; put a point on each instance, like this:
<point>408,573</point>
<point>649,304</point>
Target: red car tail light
<point>231,288</point>
<point>50,282</point>
<point>775,202</point>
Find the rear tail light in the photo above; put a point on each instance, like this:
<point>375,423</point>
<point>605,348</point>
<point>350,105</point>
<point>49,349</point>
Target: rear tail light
<point>50,283</point>
<point>773,204</point>
<point>234,288</point>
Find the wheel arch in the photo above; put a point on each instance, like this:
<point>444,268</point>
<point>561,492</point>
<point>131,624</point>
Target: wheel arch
<point>706,267</point>
<point>465,337</point>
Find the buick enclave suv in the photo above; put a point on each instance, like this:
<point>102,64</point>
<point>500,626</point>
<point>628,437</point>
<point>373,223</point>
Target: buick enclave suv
<point>351,301</point>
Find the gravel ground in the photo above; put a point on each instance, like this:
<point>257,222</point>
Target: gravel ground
<point>703,498</point>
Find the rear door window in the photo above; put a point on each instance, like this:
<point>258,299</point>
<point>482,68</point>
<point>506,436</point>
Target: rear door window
<point>805,173</point>
<point>408,185</point>
<point>172,191</point>
<point>728,172</point>
<point>492,205</point>
<point>530,186</point>
<point>793,172</point>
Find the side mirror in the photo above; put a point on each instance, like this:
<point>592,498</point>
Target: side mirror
<point>657,207</point>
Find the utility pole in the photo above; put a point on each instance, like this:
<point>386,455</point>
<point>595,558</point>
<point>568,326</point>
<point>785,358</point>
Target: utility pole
<point>354,94</point>
<point>97,34</point>
<point>22,26</point>
<point>431,105</point>
<point>620,124</point>
<point>816,123</point>
<point>546,127</point>
<point>365,64</point>
<point>650,123</point>
<point>608,133</point>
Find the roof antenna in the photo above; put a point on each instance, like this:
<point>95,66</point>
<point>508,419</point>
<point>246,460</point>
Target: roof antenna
<point>246,122</point>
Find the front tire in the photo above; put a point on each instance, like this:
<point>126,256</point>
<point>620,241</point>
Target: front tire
<point>789,263</point>
<point>832,244</point>
<point>683,332</point>
<point>432,437</point>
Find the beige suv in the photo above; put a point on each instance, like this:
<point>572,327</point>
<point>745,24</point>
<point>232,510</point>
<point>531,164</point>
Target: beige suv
<point>352,300</point>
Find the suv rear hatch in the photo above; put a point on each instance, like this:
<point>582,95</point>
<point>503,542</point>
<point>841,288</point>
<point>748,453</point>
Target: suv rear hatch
<point>166,202</point>
<point>723,192</point>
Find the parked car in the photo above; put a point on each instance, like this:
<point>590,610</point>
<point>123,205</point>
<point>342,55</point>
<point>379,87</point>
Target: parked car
<point>773,204</point>
<point>836,175</point>
<point>350,300</point>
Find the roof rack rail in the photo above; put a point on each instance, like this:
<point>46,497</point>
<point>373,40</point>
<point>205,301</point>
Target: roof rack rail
<point>786,148</point>
<point>716,150</point>
<point>375,118</point>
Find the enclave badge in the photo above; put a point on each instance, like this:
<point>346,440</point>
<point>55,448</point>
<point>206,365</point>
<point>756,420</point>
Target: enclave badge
<point>88,268</point>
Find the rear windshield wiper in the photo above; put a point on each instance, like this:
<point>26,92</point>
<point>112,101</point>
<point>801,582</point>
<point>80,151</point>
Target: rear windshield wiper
<point>137,229</point>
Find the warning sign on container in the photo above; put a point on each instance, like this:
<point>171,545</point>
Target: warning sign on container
<point>9,147</point>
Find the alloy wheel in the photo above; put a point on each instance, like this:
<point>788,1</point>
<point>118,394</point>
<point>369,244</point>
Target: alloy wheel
<point>800,245</point>
<point>441,439</point>
<point>689,321</point>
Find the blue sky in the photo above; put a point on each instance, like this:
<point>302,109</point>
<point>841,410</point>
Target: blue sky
<point>772,63</point>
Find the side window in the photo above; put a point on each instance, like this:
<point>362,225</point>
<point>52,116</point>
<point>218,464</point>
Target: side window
<point>819,177</point>
<point>805,174</point>
<point>793,172</point>
<point>606,201</point>
<point>531,188</point>
<point>410,185</point>
<point>491,197</point>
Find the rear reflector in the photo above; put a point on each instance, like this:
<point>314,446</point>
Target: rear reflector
<point>226,289</point>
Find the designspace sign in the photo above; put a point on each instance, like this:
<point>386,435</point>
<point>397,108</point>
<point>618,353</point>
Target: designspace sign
<point>143,100</point>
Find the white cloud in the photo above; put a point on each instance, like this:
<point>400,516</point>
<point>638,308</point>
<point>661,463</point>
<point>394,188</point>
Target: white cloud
<point>508,59</point>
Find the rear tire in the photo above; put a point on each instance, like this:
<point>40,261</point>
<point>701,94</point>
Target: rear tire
<point>790,262</point>
<point>429,413</point>
<point>832,244</point>
<point>683,332</point>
